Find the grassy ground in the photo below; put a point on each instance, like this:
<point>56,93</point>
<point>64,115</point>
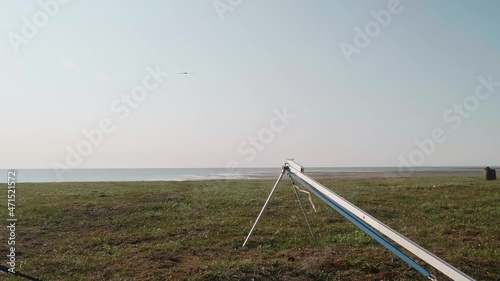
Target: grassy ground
<point>194,230</point>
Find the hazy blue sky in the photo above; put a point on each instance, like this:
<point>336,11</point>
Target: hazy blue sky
<point>262,57</point>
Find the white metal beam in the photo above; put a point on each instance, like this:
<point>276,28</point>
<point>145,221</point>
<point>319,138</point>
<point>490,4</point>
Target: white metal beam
<point>406,243</point>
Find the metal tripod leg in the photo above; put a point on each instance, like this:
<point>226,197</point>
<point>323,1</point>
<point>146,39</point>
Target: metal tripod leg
<point>265,205</point>
<point>303,209</point>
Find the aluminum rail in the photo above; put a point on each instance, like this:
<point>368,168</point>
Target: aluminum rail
<point>367,229</point>
<point>406,243</point>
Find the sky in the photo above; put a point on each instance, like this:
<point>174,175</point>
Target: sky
<point>97,84</point>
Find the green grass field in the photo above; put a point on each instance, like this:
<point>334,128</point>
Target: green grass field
<point>194,230</point>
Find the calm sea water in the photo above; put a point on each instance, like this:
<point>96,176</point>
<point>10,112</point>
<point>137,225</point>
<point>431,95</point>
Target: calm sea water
<point>185,174</point>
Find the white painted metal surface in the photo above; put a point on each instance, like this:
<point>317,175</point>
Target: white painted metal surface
<point>411,246</point>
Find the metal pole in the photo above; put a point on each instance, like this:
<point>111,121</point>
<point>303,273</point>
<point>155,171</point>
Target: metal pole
<point>265,205</point>
<point>406,243</point>
<point>17,273</point>
<point>303,209</point>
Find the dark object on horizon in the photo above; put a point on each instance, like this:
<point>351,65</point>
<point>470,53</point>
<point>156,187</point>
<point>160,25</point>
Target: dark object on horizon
<point>490,174</point>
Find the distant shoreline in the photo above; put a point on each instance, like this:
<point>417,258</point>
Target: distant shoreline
<point>257,174</point>
<point>423,174</point>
